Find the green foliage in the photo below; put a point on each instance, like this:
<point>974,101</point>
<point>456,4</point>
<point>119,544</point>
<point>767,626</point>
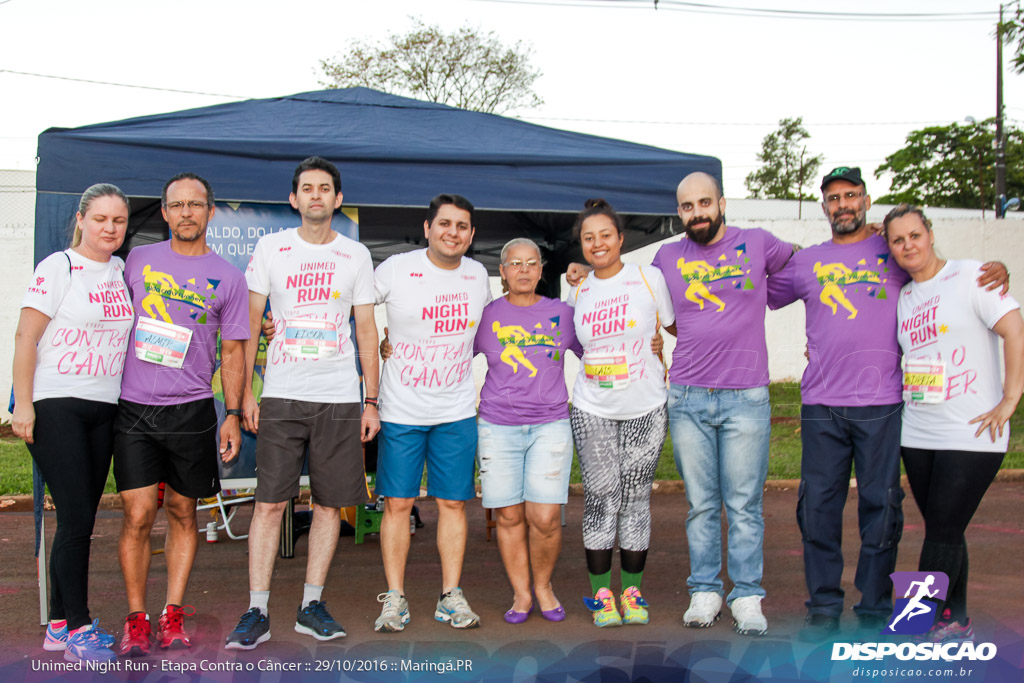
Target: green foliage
<point>786,167</point>
<point>464,68</point>
<point>953,166</point>
<point>1012,30</point>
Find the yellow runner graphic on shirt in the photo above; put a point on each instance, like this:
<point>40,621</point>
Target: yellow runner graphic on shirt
<point>833,277</point>
<point>513,338</point>
<point>160,286</point>
<point>696,273</point>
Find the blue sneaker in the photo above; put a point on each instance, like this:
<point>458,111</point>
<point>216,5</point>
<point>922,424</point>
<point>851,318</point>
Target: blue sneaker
<point>314,620</point>
<point>56,641</point>
<point>253,628</point>
<point>90,644</point>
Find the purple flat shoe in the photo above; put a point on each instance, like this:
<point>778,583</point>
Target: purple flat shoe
<point>557,614</point>
<point>514,617</point>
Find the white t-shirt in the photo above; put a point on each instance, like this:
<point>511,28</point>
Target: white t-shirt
<point>433,316</point>
<point>312,288</point>
<point>615,320</point>
<point>948,319</point>
<point>81,353</point>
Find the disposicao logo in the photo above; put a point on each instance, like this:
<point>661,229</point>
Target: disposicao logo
<point>914,614</point>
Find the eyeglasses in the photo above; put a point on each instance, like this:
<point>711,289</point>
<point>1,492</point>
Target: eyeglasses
<point>522,265</point>
<point>193,204</point>
<point>834,198</point>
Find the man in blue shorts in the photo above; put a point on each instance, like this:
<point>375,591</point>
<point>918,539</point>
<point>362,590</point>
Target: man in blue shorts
<point>434,299</point>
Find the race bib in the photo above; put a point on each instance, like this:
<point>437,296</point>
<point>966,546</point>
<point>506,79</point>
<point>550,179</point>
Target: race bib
<point>610,371</point>
<point>924,381</point>
<point>310,338</point>
<point>161,343</point>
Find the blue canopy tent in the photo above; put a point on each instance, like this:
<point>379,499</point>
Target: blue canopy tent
<point>394,154</point>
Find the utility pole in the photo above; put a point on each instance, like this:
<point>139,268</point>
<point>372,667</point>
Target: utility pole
<point>1000,140</point>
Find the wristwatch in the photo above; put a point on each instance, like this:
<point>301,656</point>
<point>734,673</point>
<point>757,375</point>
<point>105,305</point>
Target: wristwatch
<point>233,411</point>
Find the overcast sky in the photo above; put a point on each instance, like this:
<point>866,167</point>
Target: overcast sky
<point>704,81</point>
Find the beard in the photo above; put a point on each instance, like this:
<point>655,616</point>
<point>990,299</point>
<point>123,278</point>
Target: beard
<point>703,237</point>
<point>841,227</point>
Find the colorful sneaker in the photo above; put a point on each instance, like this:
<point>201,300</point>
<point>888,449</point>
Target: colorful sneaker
<point>90,644</point>
<point>747,619</point>
<point>603,607</point>
<point>704,610</point>
<point>171,628</point>
<point>395,614</point>
<point>314,620</point>
<point>951,632</point>
<point>56,640</point>
<point>634,607</point>
<point>137,633</point>
<point>253,628</point>
<point>453,609</point>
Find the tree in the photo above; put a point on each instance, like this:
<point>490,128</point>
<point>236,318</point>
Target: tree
<point>1013,30</point>
<point>464,68</point>
<point>786,167</point>
<point>953,166</point>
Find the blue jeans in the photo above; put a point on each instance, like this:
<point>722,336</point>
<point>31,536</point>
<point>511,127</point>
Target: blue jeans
<point>868,438</point>
<point>524,462</point>
<point>720,439</point>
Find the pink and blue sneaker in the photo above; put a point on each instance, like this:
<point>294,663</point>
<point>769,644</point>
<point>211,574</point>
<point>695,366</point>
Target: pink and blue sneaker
<point>91,644</point>
<point>56,640</point>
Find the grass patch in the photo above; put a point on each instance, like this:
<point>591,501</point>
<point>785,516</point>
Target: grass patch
<point>783,461</point>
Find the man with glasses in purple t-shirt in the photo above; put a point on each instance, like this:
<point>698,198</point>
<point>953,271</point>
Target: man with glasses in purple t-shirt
<point>852,402</point>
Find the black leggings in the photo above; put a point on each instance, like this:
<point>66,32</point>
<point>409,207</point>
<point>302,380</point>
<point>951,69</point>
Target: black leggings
<point>73,446</point>
<point>948,487</point>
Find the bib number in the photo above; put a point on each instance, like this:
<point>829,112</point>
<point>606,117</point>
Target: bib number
<point>311,338</point>
<point>161,343</point>
<point>924,381</point>
<point>606,371</point>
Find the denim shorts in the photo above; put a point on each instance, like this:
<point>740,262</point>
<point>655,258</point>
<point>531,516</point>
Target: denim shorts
<point>448,450</point>
<point>524,462</point>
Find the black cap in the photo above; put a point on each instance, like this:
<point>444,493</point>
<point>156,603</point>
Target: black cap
<point>848,173</point>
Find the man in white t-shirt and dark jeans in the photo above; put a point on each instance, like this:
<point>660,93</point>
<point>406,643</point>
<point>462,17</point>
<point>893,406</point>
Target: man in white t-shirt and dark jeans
<point>314,277</point>
<point>434,299</point>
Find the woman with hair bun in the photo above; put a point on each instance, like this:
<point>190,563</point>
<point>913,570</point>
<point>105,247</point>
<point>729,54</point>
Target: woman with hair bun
<point>618,413</point>
<point>69,351</point>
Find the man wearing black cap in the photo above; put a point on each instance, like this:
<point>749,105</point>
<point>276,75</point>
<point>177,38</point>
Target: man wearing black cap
<point>852,402</point>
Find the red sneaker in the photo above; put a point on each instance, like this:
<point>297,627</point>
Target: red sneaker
<point>171,631</point>
<point>137,631</point>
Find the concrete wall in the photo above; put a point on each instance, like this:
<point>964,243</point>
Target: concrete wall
<point>17,216</point>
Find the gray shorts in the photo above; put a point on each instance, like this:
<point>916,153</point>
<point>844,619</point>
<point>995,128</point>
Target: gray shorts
<point>330,433</point>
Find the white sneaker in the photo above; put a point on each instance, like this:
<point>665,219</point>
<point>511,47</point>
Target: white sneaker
<point>705,609</point>
<point>747,618</point>
<point>395,614</point>
<point>452,608</point>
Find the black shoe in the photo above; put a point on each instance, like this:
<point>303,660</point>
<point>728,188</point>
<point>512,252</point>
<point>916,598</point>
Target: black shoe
<point>253,628</point>
<point>871,624</point>
<point>818,628</point>
<point>314,620</point>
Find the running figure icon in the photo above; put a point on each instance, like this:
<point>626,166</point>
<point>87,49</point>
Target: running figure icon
<point>914,607</point>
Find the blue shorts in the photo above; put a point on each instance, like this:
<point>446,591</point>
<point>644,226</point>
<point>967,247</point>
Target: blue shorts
<point>449,450</point>
<point>528,462</point>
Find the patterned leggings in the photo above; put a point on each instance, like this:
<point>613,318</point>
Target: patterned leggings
<point>618,459</point>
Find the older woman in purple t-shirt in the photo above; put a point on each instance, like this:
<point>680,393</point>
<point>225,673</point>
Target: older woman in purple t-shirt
<point>525,442</point>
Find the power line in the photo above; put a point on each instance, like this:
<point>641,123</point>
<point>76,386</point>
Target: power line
<point>766,13</point>
<point>121,85</point>
<point>743,123</point>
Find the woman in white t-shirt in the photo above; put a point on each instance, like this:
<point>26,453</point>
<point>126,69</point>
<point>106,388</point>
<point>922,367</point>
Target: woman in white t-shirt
<point>618,412</point>
<point>956,410</point>
<point>69,352</point>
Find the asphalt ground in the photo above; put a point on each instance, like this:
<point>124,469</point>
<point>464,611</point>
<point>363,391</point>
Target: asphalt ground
<point>536,650</point>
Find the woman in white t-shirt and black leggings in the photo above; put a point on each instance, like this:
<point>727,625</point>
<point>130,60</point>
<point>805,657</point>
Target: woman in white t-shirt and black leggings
<point>68,355</point>
<point>956,411</point>
<point>618,412</point>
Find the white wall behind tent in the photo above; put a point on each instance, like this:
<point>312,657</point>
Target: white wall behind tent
<point>960,233</point>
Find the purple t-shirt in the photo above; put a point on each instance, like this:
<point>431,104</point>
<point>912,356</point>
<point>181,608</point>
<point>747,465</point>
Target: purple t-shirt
<point>525,347</point>
<point>202,293</point>
<point>718,292</point>
<point>850,292</point>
